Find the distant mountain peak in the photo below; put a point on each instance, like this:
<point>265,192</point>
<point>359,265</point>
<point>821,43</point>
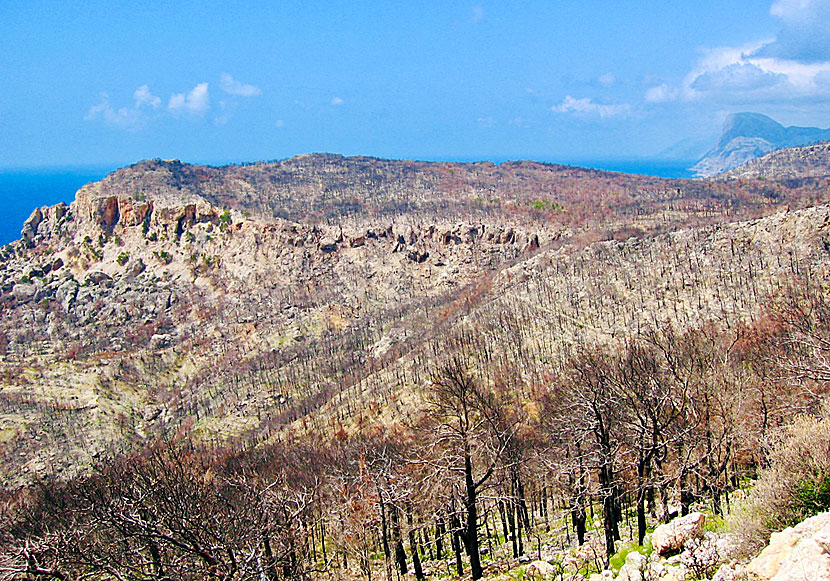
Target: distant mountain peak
<point>746,136</point>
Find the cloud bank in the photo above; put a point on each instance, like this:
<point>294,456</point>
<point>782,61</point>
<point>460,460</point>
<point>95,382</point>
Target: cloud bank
<point>795,64</point>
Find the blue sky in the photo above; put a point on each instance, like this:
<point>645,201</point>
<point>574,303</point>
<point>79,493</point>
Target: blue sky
<point>114,82</point>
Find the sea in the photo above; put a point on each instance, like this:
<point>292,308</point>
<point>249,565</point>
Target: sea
<point>23,190</point>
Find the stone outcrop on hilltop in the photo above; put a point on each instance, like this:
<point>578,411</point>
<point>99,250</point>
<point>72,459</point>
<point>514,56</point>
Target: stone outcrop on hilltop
<point>124,251</point>
<point>129,272</point>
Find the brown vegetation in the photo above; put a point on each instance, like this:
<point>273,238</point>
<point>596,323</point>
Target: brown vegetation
<point>189,392</point>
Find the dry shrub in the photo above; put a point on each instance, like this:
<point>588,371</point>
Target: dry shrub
<point>796,483</point>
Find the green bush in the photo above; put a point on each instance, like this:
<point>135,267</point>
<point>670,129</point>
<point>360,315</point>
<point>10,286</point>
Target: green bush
<point>812,495</point>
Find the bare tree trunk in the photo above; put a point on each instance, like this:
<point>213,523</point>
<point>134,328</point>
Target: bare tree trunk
<point>470,536</point>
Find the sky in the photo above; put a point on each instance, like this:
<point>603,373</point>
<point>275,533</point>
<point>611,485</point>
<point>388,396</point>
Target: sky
<point>109,82</point>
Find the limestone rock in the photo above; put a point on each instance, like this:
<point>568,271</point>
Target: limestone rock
<point>540,570</point>
<point>66,293</point>
<point>97,277</point>
<point>796,553</point>
<point>730,573</point>
<point>30,226</point>
<point>24,291</point>
<point>632,570</point>
<point>671,536</point>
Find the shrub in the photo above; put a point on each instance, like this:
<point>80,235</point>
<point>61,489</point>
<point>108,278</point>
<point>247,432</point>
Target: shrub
<point>795,485</point>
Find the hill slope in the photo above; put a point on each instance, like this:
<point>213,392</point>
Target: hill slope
<point>248,301</point>
<point>811,161</point>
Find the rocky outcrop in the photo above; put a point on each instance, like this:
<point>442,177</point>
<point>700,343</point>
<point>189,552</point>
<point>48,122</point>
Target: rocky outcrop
<point>42,223</point>
<point>797,553</point>
<point>670,537</point>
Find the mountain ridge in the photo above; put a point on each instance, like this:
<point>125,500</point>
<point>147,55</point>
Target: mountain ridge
<point>746,136</point>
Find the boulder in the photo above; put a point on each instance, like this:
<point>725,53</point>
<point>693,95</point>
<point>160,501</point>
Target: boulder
<point>670,537</point>
<point>632,570</point>
<point>730,573</point>
<point>540,570</point>
<point>97,277</point>
<point>24,292</point>
<point>138,267</point>
<point>799,552</point>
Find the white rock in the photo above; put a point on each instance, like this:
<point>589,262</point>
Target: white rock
<point>796,553</point>
<point>729,573</point>
<point>671,536</point>
<point>540,570</point>
<point>635,565</point>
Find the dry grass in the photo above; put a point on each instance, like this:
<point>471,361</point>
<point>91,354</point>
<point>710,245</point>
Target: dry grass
<point>796,483</point>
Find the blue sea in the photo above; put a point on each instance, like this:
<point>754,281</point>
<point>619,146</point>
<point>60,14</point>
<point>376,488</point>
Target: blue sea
<point>659,168</point>
<point>23,190</point>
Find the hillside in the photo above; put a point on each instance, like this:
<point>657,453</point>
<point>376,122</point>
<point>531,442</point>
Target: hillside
<point>159,297</point>
<point>746,136</point>
<point>811,161</point>
<point>285,339</point>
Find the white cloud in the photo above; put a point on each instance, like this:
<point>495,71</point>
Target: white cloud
<point>607,79</point>
<point>794,64</point>
<point>739,76</point>
<point>147,106</point>
<point>196,102</point>
<point>804,35</point>
<point>587,107</point>
<point>279,124</point>
<point>661,94</point>
<point>123,117</point>
<point>336,101</point>
<point>486,122</point>
<point>143,97</point>
<point>477,14</point>
<point>743,75</point>
<point>233,87</point>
